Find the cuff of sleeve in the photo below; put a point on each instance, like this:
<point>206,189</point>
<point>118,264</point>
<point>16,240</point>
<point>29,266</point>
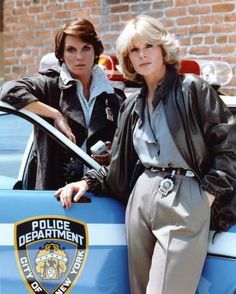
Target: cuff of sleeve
<point>207,187</point>
<point>91,182</point>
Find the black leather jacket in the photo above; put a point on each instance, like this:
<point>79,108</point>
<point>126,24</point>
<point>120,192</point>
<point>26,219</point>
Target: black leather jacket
<point>204,131</point>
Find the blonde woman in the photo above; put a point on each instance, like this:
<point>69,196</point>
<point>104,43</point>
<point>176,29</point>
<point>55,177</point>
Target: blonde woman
<point>184,136</point>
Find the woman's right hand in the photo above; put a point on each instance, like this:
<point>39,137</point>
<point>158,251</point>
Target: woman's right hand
<point>71,192</point>
<point>61,124</point>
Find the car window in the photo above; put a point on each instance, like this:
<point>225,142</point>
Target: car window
<point>14,136</point>
<point>16,146</point>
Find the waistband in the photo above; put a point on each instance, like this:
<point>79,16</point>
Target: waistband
<point>176,171</point>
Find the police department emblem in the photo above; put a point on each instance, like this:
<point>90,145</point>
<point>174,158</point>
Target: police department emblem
<point>51,252</point>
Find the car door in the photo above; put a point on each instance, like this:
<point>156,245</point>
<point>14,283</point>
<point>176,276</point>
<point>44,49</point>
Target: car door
<point>45,248</point>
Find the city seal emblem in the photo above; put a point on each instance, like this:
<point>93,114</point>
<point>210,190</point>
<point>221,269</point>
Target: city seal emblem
<point>50,252</point>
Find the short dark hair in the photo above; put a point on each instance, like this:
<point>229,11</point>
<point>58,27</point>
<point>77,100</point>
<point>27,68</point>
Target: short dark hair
<point>82,29</point>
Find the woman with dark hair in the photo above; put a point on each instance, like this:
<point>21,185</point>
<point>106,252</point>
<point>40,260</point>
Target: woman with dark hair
<point>79,100</point>
<point>173,161</point>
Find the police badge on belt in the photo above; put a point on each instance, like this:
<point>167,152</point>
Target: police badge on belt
<point>167,184</point>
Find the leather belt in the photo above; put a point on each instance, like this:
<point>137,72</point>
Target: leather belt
<point>178,171</point>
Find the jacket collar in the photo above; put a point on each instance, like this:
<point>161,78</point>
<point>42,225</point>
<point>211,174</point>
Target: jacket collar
<point>161,91</point>
<point>99,84</point>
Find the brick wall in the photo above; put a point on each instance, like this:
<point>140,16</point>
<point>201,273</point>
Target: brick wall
<point>205,28</point>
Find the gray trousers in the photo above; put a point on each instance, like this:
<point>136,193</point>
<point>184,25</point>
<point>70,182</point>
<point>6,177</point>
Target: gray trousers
<point>167,236</point>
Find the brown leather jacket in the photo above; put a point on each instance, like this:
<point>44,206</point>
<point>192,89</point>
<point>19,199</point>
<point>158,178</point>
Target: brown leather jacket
<point>204,131</point>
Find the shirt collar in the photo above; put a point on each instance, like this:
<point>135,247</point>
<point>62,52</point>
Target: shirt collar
<point>160,93</point>
<point>99,84</point>
<point>165,87</point>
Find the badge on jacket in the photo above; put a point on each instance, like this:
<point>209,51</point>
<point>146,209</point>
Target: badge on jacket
<point>108,111</point>
<point>109,114</point>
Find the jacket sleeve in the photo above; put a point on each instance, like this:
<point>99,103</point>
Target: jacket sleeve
<point>25,91</point>
<point>115,180</point>
<point>219,131</point>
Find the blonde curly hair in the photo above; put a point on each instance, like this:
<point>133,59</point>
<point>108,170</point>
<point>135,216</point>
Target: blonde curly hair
<point>154,33</point>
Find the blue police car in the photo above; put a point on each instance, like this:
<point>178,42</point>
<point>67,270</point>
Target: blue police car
<point>43,247</point>
<point>47,249</point>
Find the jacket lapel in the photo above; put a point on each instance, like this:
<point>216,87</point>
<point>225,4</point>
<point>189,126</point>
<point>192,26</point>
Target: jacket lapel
<point>70,104</point>
<point>174,106</point>
<point>100,119</point>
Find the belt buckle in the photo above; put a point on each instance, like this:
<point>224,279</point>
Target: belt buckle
<point>166,186</point>
<point>189,174</point>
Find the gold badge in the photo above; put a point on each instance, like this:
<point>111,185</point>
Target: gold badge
<point>109,114</point>
<point>108,111</point>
